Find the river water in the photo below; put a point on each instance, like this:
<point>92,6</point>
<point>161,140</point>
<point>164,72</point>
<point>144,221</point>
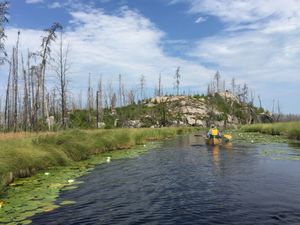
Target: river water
<point>186,182</point>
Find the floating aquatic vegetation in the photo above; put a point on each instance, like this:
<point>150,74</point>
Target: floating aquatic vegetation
<point>272,152</point>
<point>280,154</point>
<point>257,138</point>
<point>37,194</point>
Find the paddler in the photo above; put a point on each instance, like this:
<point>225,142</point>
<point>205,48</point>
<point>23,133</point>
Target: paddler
<point>214,132</point>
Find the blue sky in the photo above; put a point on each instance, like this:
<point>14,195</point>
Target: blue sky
<point>255,41</point>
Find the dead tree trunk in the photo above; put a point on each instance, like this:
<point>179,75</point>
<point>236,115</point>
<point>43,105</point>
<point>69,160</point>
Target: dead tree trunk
<point>7,113</point>
<point>26,98</point>
<point>45,53</point>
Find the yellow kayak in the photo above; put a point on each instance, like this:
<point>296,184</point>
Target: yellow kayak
<point>213,141</point>
<point>227,137</point>
<point>217,141</point>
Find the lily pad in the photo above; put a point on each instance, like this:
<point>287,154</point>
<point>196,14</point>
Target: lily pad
<point>67,202</point>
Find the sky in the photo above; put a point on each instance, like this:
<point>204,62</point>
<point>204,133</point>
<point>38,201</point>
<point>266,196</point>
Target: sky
<point>256,42</point>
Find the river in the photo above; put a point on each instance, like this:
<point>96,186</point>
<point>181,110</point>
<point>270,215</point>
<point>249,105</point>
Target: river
<point>186,182</point>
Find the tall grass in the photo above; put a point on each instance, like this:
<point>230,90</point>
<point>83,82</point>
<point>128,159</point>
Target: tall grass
<point>25,154</point>
<point>289,129</point>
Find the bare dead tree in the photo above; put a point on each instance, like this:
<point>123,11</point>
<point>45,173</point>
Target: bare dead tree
<point>61,67</point>
<point>90,105</point>
<point>123,94</point>
<point>99,102</point>
<point>113,102</point>
<point>278,111</point>
<point>3,20</point>
<point>35,93</point>
<point>25,98</point>
<point>245,93</point>
<point>217,79</point>
<point>177,80</point>
<point>120,91</point>
<point>142,86</point>
<point>208,89</point>
<point>15,74</point>
<point>7,114</point>
<point>158,91</point>
<point>233,85</point>
<point>131,97</point>
<point>45,54</point>
<point>80,99</point>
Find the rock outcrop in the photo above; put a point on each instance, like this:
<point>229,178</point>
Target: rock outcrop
<point>194,111</point>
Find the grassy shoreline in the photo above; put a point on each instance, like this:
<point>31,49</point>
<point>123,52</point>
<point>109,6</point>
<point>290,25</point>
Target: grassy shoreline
<point>291,130</point>
<point>27,154</point>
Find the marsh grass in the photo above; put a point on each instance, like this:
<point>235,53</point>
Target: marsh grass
<point>290,129</point>
<point>21,155</point>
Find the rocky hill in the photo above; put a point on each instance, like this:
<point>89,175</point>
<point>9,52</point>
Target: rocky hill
<point>222,109</point>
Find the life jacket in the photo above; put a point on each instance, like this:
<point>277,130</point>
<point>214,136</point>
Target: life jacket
<point>214,132</point>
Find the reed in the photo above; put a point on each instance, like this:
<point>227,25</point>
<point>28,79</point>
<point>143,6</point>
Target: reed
<point>289,129</point>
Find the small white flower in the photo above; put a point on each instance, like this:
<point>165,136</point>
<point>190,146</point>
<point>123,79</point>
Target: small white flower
<point>108,159</point>
<point>47,173</point>
<point>70,181</point>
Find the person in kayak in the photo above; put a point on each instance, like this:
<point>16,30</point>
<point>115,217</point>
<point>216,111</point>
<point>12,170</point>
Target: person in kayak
<point>214,132</point>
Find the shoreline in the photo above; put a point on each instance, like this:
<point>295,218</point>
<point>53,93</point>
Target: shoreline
<point>24,156</point>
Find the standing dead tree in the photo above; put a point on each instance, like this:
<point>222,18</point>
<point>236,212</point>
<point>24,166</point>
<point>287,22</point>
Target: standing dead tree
<point>217,79</point>
<point>61,67</point>
<point>26,102</point>
<point>142,87</point>
<point>3,21</point>
<point>177,80</point>
<point>11,102</point>
<point>45,54</point>
<point>7,113</point>
<point>99,102</point>
<point>158,91</point>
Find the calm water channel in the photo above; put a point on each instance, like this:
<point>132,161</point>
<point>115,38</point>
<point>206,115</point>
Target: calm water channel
<point>187,182</point>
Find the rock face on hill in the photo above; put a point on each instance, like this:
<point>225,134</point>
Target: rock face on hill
<point>196,111</point>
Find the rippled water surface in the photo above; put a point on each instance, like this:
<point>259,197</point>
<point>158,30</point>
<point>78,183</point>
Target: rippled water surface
<point>187,182</point>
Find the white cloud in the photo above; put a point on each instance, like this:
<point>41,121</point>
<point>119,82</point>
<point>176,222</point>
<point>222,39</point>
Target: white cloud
<point>34,1</point>
<point>200,20</point>
<point>129,44</point>
<point>55,5</point>
<point>259,43</point>
<point>126,43</point>
<point>268,14</point>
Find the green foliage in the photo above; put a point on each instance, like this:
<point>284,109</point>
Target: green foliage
<point>82,119</point>
<point>220,103</point>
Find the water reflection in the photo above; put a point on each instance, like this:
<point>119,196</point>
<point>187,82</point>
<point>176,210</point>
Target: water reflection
<point>216,156</point>
<point>227,145</point>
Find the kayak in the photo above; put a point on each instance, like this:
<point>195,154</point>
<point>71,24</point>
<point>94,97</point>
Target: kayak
<point>226,138</point>
<point>213,141</point>
<point>217,141</point>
